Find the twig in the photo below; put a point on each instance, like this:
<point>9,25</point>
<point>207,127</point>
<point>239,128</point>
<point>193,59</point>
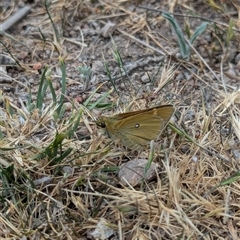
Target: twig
<point>141,42</point>
<point>13,19</point>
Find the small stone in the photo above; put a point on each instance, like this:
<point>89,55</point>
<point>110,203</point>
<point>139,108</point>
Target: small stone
<point>133,172</point>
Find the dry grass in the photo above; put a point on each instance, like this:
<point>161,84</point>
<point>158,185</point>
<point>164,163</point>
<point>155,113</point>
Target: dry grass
<point>59,174</point>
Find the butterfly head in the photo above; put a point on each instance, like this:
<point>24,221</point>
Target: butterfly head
<point>100,122</point>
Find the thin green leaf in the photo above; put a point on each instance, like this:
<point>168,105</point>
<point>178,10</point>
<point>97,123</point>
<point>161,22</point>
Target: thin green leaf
<point>230,32</point>
<point>41,93</point>
<point>183,46</point>
<point>201,29</point>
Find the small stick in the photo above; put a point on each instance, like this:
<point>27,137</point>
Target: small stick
<point>13,19</point>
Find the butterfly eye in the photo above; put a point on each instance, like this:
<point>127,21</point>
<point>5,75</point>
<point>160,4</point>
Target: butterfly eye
<point>102,124</point>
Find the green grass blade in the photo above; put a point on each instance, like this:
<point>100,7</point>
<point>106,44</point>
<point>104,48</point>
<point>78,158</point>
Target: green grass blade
<point>183,46</point>
<point>201,29</point>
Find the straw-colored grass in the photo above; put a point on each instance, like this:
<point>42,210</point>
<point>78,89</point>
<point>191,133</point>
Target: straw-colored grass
<point>58,172</point>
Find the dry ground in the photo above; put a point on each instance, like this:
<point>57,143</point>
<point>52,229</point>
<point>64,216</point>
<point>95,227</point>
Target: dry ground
<point>59,173</point>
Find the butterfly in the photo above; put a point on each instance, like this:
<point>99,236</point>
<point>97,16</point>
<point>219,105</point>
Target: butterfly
<point>138,128</point>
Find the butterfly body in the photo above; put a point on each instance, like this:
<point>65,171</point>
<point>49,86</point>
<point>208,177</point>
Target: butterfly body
<point>136,129</point>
